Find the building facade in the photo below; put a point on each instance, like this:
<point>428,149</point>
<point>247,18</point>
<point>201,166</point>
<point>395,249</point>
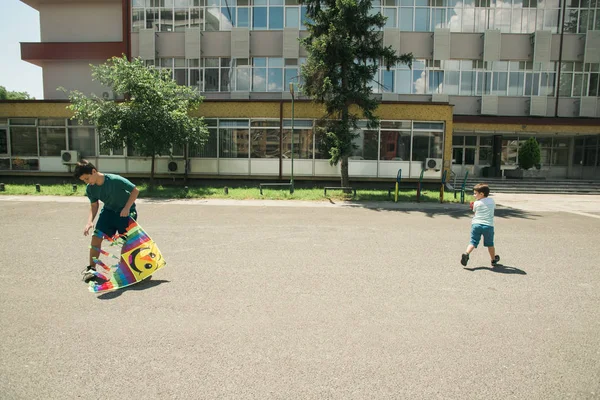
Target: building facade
<point>488,74</point>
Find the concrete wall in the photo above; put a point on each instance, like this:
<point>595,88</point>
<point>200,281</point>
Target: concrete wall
<point>72,75</point>
<point>81,22</point>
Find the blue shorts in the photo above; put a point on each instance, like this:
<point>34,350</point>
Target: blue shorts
<point>477,230</point>
<point>111,222</point>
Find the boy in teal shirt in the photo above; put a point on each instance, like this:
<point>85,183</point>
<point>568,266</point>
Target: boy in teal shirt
<point>482,224</point>
<point>118,195</point>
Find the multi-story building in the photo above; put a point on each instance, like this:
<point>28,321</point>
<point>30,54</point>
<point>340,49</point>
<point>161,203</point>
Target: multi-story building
<point>487,75</point>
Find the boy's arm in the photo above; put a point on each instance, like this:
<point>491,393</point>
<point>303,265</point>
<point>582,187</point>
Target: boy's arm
<point>132,197</point>
<point>90,224</point>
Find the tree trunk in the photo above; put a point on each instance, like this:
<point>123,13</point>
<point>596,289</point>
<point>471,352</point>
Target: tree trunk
<point>345,176</point>
<point>152,172</point>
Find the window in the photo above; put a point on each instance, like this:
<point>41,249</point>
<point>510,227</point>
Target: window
<point>83,139</point>
<point>3,141</point>
<point>485,150</point>
<point>510,149</point>
<point>52,141</point>
<point>265,138</point>
<point>394,145</point>
<point>233,139</point>
<point>23,141</point>
<point>106,150</point>
<point>303,139</point>
<point>426,145</point>
<point>366,145</point>
<point>209,149</point>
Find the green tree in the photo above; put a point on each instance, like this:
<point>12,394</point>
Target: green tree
<point>8,95</point>
<point>529,154</point>
<point>345,49</point>
<point>154,115</point>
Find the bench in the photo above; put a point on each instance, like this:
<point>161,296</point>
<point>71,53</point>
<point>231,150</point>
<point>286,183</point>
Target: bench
<point>261,185</point>
<point>325,189</point>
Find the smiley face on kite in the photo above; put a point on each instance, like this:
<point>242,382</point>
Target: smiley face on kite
<point>144,260</point>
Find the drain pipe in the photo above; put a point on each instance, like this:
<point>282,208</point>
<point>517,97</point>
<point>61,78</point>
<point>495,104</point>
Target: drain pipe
<point>560,51</point>
<point>280,139</point>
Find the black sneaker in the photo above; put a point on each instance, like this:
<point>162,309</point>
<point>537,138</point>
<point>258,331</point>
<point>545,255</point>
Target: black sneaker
<point>88,275</point>
<point>495,261</point>
<point>464,259</point>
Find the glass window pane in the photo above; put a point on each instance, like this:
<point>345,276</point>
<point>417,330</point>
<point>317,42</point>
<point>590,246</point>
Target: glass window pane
<point>388,81</point>
<point>259,80</point>
<point>233,143</point>
<point>213,18</point>
<point>457,155</point>
<point>166,20</point>
<point>485,156</point>
<point>3,141</point>
<point>275,17</point>
<point>83,140</point>
<point>467,83</point>
<point>209,149</point>
<point>265,143</point>
<point>422,20</point>
<point>275,80</point>
<point>52,141</point>
<point>291,75</point>
<point>243,19</point>
<point>406,19</point>
<point>469,156</point>
<point>366,145</point>
<point>403,81</point>
<point>390,14</point>
<point>242,82</point>
<point>181,20</point>
<point>259,18</point>
<point>27,164</point>
<point>211,80</point>
<point>292,17</point>
<point>23,141</point>
<point>227,18</point>
<point>420,146</point>
<point>394,146</point>
<point>451,82</point>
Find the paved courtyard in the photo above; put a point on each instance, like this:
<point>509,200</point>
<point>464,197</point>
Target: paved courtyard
<point>286,300</point>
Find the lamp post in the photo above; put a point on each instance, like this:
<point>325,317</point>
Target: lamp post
<point>292,174</point>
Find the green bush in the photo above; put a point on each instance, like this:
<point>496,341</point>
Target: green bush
<point>529,154</point>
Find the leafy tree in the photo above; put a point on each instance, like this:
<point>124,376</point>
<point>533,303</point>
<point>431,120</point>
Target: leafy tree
<point>345,50</point>
<point>152,118</point>
<point>9,95</point>
<point>529,154</point>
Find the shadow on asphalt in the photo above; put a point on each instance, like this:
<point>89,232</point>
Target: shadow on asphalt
<point>145,284</point>
<point>500,269</point>
<point>451,210</point>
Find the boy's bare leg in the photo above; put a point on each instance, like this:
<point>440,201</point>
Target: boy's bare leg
<point>492,251</point>
<point>96,243</point>
<point>470,249</point>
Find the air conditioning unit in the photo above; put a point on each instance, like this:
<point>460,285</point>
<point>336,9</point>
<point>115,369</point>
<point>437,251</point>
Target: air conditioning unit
<point>176,166</point>
<point>69,156</point>
<point>433,163</point>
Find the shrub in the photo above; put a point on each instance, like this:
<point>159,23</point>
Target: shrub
<point>529,154</point>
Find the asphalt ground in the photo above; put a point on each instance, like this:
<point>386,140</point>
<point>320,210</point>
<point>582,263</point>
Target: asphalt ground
<point>303,301</point>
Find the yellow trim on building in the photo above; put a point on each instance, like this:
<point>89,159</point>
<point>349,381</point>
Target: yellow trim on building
<point>593,128</point>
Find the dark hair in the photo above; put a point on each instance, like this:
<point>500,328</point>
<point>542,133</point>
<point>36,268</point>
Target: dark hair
<point>482,188</point>
<point>83,167</point>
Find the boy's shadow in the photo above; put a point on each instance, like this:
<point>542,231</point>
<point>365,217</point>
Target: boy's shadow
<point>501,269</point>
<point>143,285</point>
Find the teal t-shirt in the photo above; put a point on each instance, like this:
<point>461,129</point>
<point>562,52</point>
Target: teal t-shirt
<point>114,192</point>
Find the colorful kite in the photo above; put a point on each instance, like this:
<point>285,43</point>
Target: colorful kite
<point>139,258</point>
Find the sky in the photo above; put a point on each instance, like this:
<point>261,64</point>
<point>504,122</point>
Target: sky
<point>20,23</point>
